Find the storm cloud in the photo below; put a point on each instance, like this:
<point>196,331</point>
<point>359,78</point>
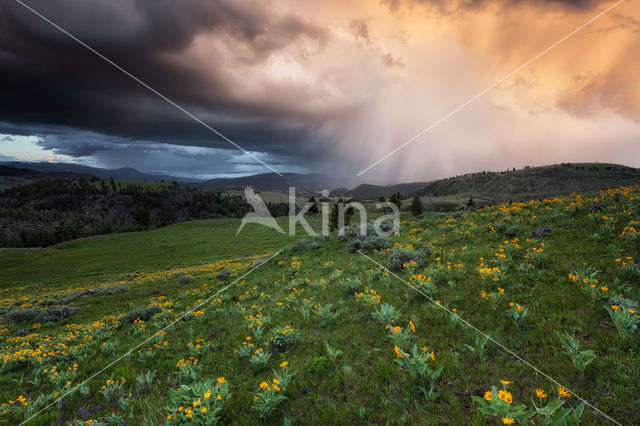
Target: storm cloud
<point>318,86</point>
<point>49,82</point>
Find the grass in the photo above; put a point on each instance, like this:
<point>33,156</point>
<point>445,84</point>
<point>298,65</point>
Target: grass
<point>364,384</point>
<point>103,256</point>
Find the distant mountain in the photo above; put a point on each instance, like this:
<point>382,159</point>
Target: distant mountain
<point>125,173</point>
<point>369,191</point>
<point>523,184</point>
<point>265,182</point>
<point>275,183</point>
<point>11,176</point>
<point>26,173</point>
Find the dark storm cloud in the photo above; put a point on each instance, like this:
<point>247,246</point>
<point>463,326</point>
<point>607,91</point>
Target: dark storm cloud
<point>48,82</point>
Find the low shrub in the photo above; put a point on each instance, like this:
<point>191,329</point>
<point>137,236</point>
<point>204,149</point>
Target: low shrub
<point>313,246</point>
<point>183,278</point>
<point>399,256</point>
<point>508,230</point>
<point>45,315</point>
<point>301,245</point>
<point>223,275</point>
<point>354,245</point>
<point>306,245</point>
<point>376,243</point>
<point>144,314</point>
<point>99,291</point>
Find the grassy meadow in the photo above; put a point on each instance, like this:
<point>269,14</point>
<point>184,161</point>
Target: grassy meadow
<point>208,327</point>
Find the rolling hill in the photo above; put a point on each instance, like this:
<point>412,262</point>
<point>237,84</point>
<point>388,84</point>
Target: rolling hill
<point>523,184</point>
<point>275,183</point>
<point>124,173</point>
<point>457,319</point>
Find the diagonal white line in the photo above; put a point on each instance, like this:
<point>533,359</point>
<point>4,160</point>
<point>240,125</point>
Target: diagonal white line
<point>509,351</point>
<point>147,86</point>
<point>148,339</point>
<point>497,83</point>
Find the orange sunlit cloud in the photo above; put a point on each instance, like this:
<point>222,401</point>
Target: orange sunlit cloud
<point>580,101</point>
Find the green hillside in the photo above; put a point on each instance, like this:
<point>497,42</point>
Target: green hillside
<point>190,324</point>
<point>516,185</point>
<point>102,256</point>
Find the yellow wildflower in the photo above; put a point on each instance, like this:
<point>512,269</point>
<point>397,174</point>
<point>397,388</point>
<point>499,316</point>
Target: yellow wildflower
<point>396,349</point>
<point>505,396</point>
<point>562,391</point>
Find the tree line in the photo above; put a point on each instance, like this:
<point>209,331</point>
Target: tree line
<point>50,211</point>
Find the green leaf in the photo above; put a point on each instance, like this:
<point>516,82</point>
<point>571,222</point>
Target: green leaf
<point>550,407</point>
<point>560,418</point>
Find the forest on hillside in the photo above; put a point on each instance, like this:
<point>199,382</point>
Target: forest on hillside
<point>49,211</point>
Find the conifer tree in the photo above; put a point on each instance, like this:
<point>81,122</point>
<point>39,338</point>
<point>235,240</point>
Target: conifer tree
<point>416,206</point>
<point>314,206</point>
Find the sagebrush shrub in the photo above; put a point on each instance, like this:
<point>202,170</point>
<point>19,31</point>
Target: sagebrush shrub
<point>301,245</point>
<point>223,275</point>
<point>99,291</point>
<point>45,315</point>
<point>144,314</point>
<point>376,243</point>
<point>399,256</point>
<point>354,245</point>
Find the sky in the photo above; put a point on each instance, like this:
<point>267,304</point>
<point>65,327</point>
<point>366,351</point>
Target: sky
<point>320,86</point>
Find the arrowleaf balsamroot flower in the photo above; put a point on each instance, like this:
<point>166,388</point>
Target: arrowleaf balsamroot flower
<point>396,349</point>
<point>562,391</point>
<point>505,396</point>
<point>540,393</point>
